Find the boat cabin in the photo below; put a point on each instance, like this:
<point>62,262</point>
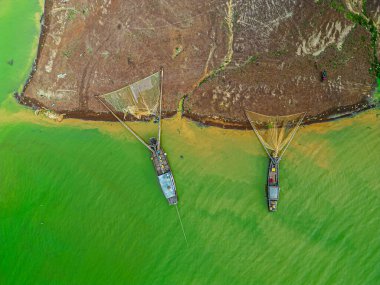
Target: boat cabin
<point>273,192</point>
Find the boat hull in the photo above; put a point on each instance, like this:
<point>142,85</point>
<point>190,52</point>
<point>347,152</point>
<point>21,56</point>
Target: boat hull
<point>273,188</point>
<point>164,175</point>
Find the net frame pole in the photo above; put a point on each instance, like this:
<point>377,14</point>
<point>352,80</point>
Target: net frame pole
<point>160,111</point>
<point>124,124</point>
<point>259,137</point>
<point>292,136</point>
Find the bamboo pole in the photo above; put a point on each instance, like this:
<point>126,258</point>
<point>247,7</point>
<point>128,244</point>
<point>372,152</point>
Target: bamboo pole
<point>160,110</point>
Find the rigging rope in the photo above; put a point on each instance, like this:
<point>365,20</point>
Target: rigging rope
<point>275,132</point>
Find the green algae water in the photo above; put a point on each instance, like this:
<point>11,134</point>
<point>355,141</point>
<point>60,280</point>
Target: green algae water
<point>19,27</point>
<point>80,204</point>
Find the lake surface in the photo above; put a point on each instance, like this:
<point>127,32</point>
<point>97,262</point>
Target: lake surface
<point>80,204</point>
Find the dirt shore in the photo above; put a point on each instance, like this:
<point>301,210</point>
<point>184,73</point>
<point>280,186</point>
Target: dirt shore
<point>219,57</point>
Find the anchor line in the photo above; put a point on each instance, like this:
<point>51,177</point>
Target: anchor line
<point>180,221</point>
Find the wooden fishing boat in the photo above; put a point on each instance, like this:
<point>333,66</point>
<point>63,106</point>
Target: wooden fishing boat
<point>163,171</point>
<point>273,188</point>
<point>275,134</point>
<point>143,99</point>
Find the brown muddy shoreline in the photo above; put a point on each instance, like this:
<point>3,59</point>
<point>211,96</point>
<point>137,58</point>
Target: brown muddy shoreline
<point>328,115</point>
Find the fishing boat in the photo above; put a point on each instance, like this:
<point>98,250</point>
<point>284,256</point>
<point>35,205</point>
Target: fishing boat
<point>273,188</point>
<point>275,134</point>
<point>164,173</point>
<point>144,99</point>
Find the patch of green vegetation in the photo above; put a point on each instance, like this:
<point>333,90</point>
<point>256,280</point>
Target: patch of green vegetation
<point>361,20</point>
<point>279,52</point>
<point>364,8</point>
<point>211,75</point>
<point>181,105</point>
<point>72,14</point>
<point>10,62</point>
<point>43,202</point>
<point>338,61</point>
<point>67,53</point>
<point>251,59</point>
<point>338,6</point>
<point>229,24</point>
<point>129,60</point>
<point>177,51</point>
<point>105,54</point>
<point>377,93</point>
<point>370,26</point>
<point>85,11</point>
<point>375,99</point>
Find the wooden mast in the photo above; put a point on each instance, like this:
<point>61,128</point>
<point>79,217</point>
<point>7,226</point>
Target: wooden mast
<point>160,110</point>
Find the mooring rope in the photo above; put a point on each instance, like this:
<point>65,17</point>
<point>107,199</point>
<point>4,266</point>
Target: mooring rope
<point>180,221</point>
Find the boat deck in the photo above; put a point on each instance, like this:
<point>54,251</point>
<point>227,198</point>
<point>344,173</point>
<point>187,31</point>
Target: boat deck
<point>164,174</point>
<point>160,162</point>
<point>272,185</point>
